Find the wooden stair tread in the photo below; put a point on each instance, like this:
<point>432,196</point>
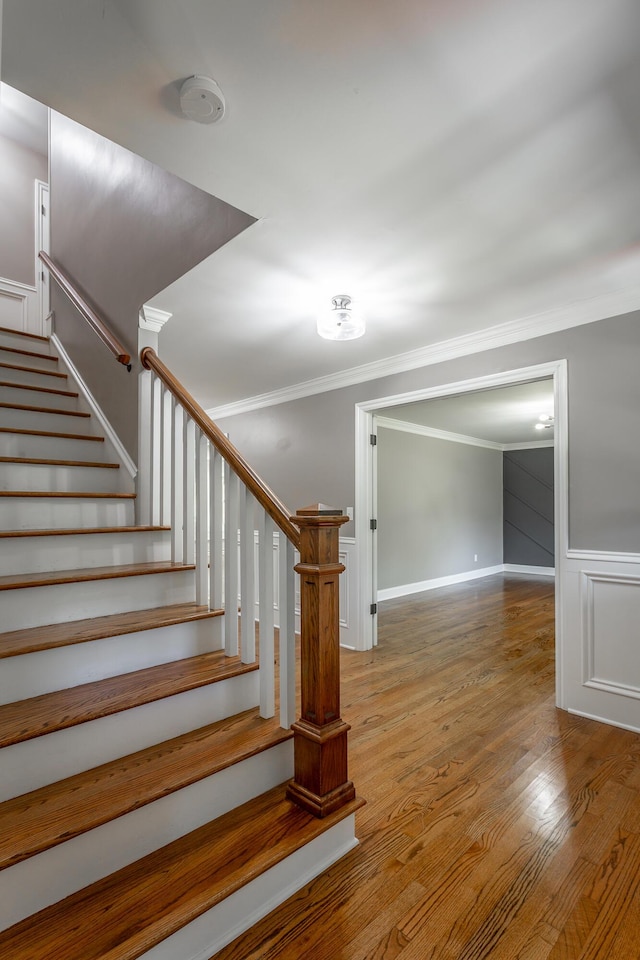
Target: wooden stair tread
<point>28,353</point>
<point>43,818</point>
<point>15,643</point>
<point>128,912</point>
<point>52,433</point>
<point>69,494</point>
<point>21,581</point>
<point>23,333</point>
<point>30,386</point>
<point>60,463</point>
<point>23,369</point>
<point>26,719</point>
<point>29,408</point>
<point>75,531</point>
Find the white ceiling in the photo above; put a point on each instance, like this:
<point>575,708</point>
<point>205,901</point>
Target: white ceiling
<point>451,164</point>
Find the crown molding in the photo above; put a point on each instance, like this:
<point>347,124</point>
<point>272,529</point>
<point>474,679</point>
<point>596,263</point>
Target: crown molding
<point>419,429</point>
<point>514,331</point>
<point>153,319</point>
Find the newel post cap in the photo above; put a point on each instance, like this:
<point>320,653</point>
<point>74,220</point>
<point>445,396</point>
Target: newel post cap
<point>318,510</point>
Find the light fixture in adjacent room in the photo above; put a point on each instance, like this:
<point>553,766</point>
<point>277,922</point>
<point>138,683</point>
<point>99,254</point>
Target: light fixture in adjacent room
<point>545,421</point>
<point>341,321</point>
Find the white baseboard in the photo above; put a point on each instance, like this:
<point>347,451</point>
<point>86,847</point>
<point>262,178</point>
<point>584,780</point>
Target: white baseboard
<point>529,571</point>
<point>110,433</point>
<point>403,590</point>
<point>390,593</point>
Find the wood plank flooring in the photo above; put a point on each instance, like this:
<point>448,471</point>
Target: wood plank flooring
<point>496,826</point>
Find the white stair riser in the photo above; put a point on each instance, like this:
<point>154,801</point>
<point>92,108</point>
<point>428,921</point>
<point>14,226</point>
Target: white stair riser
<point>50,422</point>
<point>17,372</point>
<point>217,927</point>
<point>7,355</point>
<point>56,873</point>
<point>33,674</point>
<point>43,760</point>
<point>36,398</point>
<point>36,606</point>
<point>64,513</point>
<point>17,340</point>
<point>51,448</point>
<point>42,476</point>
<point>67,552</point>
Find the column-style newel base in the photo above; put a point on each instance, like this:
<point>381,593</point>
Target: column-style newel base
<point>321,784</point>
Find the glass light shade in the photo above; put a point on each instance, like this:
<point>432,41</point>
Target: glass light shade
<point>341,321</point>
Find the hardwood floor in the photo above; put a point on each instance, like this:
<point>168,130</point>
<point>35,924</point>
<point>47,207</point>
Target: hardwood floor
<point>495,826</point>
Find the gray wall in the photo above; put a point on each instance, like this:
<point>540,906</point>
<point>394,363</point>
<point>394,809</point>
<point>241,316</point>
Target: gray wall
<point>124,230</point>
<point>528,507</point>
<point>439,503</point>
<point>316,434</point>
<point>19,168</point>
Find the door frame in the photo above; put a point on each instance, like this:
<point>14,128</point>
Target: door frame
<point>365,488</point>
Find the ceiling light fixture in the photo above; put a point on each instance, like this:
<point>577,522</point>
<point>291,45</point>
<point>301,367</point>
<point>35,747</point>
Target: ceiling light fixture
<point>546,421</point>
<point>341,321</point>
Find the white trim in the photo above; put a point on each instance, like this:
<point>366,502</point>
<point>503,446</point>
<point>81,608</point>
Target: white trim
<point>153,319</point>
<point>110,433</point>
<point>603,556</point>
<point>527,328</point>
<point>390,593</point>
<point>529,571</point>
<point>42,239</point>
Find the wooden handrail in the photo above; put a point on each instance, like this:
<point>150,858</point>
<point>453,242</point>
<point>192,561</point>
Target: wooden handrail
<point>265,497</point>
<point>92,318</point>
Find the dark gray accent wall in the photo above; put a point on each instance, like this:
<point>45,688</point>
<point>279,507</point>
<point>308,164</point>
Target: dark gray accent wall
<point>318,433</point>
<point>528,507</point>
<point>20,169</point>
<point>124,230</point>
<point>439,505</point>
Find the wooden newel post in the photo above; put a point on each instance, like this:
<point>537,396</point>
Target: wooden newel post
<point>321,784</point>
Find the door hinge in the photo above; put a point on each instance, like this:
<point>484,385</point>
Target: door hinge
<point>43,210</point>
<point>373,439</point>
<point>373,524</point>
<point>373,608</point>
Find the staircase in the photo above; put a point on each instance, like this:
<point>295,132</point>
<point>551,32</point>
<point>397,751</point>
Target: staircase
<point>142,797</point>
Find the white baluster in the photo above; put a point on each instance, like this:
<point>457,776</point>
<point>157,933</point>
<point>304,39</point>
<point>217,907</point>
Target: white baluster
<point>202,520</point>
<point>143,498</point>
<point>177,454</point>
<point>287,633</point>
<point>216,543</point>
<point>167,430</point>
<point>232,494</point>
<point>265,634</point>
<point>156,444</point>
<point>247,578</point>
<point>188,492</point>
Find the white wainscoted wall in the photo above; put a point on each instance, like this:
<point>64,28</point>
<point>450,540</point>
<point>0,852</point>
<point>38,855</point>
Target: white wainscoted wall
<point>19,306</point>
<point>601,659</point>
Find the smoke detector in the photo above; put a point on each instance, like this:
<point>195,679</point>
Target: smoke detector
<point>202,100</point>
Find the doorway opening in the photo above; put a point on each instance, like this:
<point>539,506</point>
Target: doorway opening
<point>519,394</point>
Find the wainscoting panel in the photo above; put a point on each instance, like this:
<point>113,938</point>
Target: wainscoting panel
<point>601,661</point>
<point>18,306</point>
